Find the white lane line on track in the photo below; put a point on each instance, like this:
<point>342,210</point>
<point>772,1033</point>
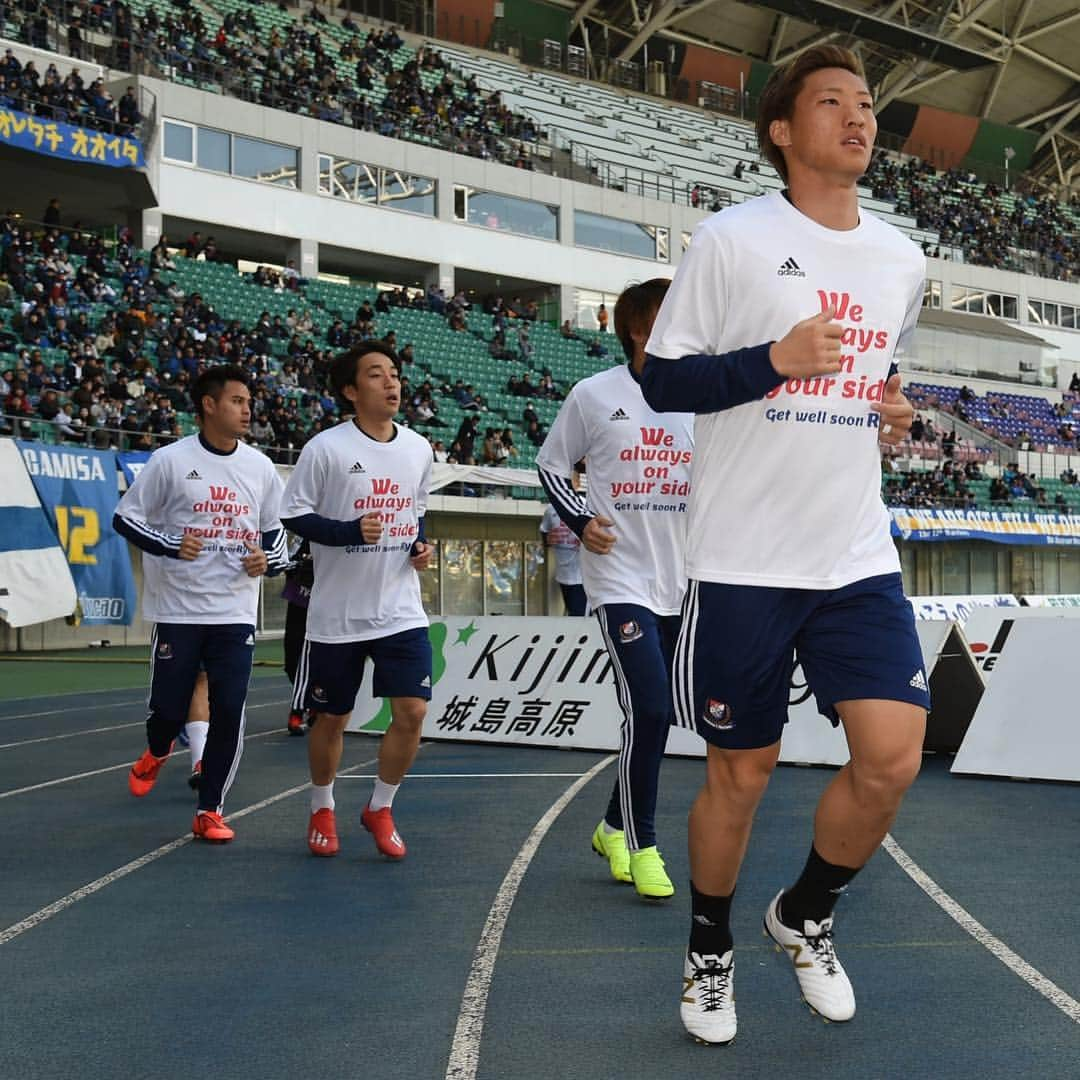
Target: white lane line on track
<point>114,727</point>
<point>465,1050</point>
<point>967,922</point>
<point>71,734</point>
<point>466,775</point>
<point>72,898</point>
<point>81,708</point>
<point>126,704</point>
<point>108,768</point>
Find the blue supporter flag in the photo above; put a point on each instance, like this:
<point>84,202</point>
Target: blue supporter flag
<point>131,462</point>
<point>78,489</point>
<point>35,582</point>
<point>68,142</point>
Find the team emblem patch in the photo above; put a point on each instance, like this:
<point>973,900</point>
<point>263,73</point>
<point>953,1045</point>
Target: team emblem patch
<point>318,694</point>
<point>164,651</point>
<point>718,715</point>
<point>629,631</point>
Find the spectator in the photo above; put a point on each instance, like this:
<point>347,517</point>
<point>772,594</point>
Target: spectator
<point>127,110</point>
<point>51,217</point>
<point>602,319</point>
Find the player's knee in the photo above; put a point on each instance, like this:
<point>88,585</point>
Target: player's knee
<point>739,777</point>
<point>408,715</point>
<point>886,780</point>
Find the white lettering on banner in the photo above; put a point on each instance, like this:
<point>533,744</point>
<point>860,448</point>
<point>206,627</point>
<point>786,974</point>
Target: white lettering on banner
<point>62,464</point>
<point>958,608</point>
<point>1058,600</point>
<point>548,682</point>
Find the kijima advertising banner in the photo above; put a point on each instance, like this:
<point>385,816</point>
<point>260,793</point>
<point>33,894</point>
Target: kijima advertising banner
<point>546,681</point>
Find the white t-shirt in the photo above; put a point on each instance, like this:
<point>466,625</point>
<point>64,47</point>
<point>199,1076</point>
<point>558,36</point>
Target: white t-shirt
<point>787,489</point>
<point>566,546</point>
<point>638,467</point>
<point>363,591</point>
<point>224,498</point>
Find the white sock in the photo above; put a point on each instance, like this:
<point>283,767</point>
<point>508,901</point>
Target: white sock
<point>196,733</point>
<point>383,795</point>
<point>322,797</point>
<point>609,829</point>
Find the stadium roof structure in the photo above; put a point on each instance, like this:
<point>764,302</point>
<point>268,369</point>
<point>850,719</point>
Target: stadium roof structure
<point>1014,62</point>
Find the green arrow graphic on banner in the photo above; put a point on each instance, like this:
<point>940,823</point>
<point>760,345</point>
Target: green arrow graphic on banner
<point>437,635</point>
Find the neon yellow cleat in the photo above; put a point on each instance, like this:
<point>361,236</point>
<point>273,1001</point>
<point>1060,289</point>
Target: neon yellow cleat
<point>647,871</point>
<point>613,847</point>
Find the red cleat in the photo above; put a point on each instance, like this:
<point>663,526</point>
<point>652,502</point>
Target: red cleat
<point>322,833</point>
<point>144,773</point>
<point>381,826</point>
<point>295,725</point>
<point>210,826</point>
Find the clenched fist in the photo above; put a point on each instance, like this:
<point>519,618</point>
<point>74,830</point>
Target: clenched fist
<point>811,347</point>
<point>595,536</point>
<point>190,546</point>
<point>371,527</point>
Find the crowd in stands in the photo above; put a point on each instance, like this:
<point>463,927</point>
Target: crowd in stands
<point>979,219</point>
<point>66,99</point>
<point>946,485</point>
<point>106,345</point>
<point>298,70</point>
<point>1023,421</point>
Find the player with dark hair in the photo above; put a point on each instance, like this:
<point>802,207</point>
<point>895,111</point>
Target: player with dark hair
<point>632,524</point>
<point>358,496</point>
<point>781,331</point>
<point>204,512</point>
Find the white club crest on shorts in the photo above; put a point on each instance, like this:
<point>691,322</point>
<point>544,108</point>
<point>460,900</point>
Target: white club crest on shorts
<point>718,715</point>
<point>629,631</point>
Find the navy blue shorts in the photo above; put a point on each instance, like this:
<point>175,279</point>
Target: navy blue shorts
<point>330,674</point>
<point>740,645</point>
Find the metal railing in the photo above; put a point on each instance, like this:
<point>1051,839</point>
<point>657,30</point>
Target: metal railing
<point>101,437</point>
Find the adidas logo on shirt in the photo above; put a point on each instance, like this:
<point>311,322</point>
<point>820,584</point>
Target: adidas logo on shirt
<point>356,468</point>
<point>618,414</point>
<point>193,475</point>
<point>790,268</point>
<point>918,680</point>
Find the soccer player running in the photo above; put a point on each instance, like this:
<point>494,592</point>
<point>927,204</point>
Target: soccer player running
<point>205,511</point>
<point>299,578</point>
<point>780,331</point>
<point>358,495</point>
<point>632,525</point>
<point>567,548</point>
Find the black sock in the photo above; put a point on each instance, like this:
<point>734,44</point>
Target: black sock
<point>710,923</point>
<point>815,894</point>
